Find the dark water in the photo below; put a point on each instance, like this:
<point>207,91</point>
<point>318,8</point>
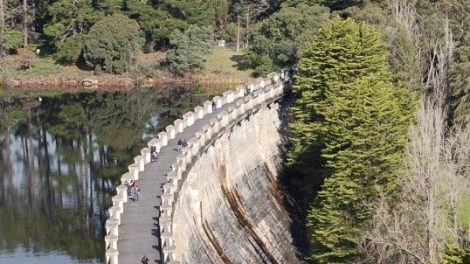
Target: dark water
<point>60,159</point>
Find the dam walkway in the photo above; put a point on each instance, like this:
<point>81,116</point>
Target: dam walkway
<point>143,228</point>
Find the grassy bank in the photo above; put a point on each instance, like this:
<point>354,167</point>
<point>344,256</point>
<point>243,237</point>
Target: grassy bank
<point>220,68</point>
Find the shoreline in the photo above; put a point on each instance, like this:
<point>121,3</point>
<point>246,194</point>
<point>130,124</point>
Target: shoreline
<point>112,82</point>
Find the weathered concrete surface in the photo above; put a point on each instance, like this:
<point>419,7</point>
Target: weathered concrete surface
<point>230,208</point>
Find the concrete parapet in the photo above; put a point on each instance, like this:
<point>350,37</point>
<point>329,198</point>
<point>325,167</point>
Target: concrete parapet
<point>223,118</point>
<point>179,170</point>
<point>112,227</point>
<point>165,224</point>
<point>167,238</point>
<point>163,138</point>
<point>166,209</point>
<point>171,131</point>
<point>127,177</point>
<point>207,107</point>
<point>112,256</point>
<point>168,198</point>
<point>232,113</point>
<point>275,77</point>
<point>111,242</point>
<point>134,171</point>
<point>179,125</point>
<point>199,112</point>
<point>193,143</point>
<point>115,213</point>
<point>240,91</point>
<point>139,160</point>
<point>215,125</point>
<point>145,153</point>
<point>187,153</point>
<point>172,176</point>
<point>118,202</point>
<point>169,187</point>
<point>169,253</point>
<point>188,119</point>
<point>122,191</point>
<point>201,138</point>
<point>218,101</point>
<point>229,97</point>
<point>260,83</point>
<point>181,160</point>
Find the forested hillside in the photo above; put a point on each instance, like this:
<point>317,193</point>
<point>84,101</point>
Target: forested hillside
<point>379,126</point>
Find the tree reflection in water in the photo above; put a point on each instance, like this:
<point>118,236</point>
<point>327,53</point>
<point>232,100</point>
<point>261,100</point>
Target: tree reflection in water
<point>61,158</point>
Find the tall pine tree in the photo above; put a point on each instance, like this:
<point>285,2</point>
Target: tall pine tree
<point>352,122</point>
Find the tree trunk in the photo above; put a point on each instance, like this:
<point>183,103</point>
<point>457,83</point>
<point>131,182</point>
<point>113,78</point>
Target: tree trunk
<point>238,32</point>
<point>2,18</point>
<point>247,25</point>
<point>25,23</point>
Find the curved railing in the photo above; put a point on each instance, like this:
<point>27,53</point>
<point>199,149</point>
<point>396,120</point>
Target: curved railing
<point>266,91</point>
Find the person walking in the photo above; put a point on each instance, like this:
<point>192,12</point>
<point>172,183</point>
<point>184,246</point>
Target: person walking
<point>179,145</point>
<point>214,106</point>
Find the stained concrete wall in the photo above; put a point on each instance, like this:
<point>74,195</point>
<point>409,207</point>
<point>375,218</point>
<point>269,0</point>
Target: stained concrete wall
<point>230,209</point>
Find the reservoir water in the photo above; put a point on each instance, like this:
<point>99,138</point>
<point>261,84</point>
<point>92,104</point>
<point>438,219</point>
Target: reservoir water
<point>61,155</point>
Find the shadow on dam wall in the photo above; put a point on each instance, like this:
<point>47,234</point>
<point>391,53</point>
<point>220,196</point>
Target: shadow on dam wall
<point>232,208</point>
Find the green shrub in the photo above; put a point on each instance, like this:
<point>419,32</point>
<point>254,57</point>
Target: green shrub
<point>70,50</point>
<point>11,40</point>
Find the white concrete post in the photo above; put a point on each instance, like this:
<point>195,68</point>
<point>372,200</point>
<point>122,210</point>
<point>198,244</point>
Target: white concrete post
<point>199,112</point>
<point>188,119</point>
<point>134,171</point>
<point>181,158</point>
<point>223,119</point>
<point>179,125</point>
<point>194,143</point>
<point>200,139</point>
<point>122,191</point>
<point>139,160</point>
<point>260,82</point>
<point>186,152</point>
<point>275,77</point>
<point>232,114</point>
<point>218,101</point>
<point>118,203</point>
<point>168,187</point>
<point>126,177</point>
<point>171,131</point>
<point>163,138</point>
<point>110,242</point>
<point>115,214</point>
<point>112,256</point>
<point>240,91</point>
<point>145,152</point>
<point>208,107</point>
<point>112,227</point>
<point>215,125</point>
<point>229,97</point>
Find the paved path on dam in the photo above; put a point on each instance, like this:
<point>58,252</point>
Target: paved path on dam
<point>139,231</point>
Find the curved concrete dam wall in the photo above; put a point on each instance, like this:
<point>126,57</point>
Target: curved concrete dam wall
<point>230,209</point>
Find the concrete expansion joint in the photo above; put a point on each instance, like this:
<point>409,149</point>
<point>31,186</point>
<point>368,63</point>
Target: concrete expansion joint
<point>232,107</point>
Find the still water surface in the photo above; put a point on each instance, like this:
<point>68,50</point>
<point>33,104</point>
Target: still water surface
<point>61,157</point>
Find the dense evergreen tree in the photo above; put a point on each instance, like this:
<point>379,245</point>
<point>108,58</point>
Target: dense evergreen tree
<point>69,18</point>
<point>188,49</point>
<point>277,41</point>
<point>349,116</point>
<point>113,43</point>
